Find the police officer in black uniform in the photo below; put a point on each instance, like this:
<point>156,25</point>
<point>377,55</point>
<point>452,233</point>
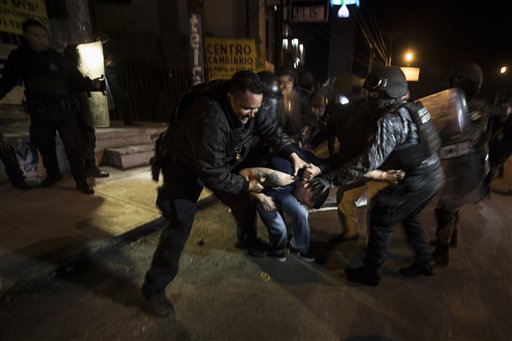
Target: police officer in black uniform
<point>403,138</point>
<point>209,135</point>
<point>467,168</point>
<point>48,78</point>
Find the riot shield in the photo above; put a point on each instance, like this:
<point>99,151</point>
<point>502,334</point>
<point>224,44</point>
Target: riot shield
<point>449,113</point>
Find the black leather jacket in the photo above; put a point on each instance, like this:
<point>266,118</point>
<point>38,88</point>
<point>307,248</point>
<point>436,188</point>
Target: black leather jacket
<point>394,133</point>
<point>206,137</point>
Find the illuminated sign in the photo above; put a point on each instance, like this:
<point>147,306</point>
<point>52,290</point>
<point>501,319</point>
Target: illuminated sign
<point>196,44</point>
<point>224,57</point>
<point>344,2</point>
<point>14,12</point>
<point>311,11</point>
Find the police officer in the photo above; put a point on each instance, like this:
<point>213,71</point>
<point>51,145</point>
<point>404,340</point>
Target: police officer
<point>348,119</point>
<point>466,169</point>
<point>12,166</point>
<point>48,78</point>
<point>209,135</point>
<point>403,138</point>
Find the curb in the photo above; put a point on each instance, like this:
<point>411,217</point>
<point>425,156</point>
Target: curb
<point>39,273</point>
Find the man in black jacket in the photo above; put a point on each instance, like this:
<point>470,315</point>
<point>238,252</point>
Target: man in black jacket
<point>48,78</point>
<point>209,135</point>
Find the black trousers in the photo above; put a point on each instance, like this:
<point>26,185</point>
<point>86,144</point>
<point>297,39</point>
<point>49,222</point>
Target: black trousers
<point>177,200</point>
<point>401,204</point>
<point>12,166</point>
<point>43,128</point>
<point>88,134</point>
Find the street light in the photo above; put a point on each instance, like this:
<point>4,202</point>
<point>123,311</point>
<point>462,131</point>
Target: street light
<point>503,69</point>
<point>409,56</point>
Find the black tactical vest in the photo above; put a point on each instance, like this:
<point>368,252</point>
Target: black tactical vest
<point>411,154</point>
<point>44,77</point>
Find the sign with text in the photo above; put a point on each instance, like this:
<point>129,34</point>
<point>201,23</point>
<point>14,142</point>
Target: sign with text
<point>224,57</point>
<point>309,11</point>
<point>14,12</point>
<point>196,45</point>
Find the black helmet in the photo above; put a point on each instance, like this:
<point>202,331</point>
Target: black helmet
<point>306,80</point>
<point>348,84</point>
<point>468,76</point>
<point>269,83</point>
<point>387,80</point>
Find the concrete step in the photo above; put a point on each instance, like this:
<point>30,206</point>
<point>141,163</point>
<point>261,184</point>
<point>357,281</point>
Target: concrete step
<point>115,137</point>
<point>129,156</point>
<point>119,137</point>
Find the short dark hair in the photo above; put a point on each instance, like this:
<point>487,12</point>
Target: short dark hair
<point>31,23</point>
<point>287,71</point>
<point>320,188</point>
<point>243,81</point>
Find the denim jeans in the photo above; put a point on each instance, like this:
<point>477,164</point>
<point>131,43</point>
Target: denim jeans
<point>274,221</point>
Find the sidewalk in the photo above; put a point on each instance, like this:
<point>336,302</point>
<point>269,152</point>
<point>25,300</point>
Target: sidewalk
<point>44,229</point>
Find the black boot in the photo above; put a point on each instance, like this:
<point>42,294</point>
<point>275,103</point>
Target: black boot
<point>50,180</point>
<point>416,269</point>
<point>453,239</point>
<point>156,303</point>
<point>84,187</point>
<point>362,275</point>
<point>441,255</point>
<point>22,185</point>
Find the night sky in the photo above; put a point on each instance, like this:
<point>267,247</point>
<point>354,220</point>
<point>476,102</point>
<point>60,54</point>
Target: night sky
<point>443,32</point>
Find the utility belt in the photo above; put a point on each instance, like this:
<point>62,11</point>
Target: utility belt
<point>456,150</point>
<point>36,106</point>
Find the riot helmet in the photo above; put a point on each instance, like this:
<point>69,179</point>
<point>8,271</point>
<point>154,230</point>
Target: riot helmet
<point>306,80</point>
<point>347,87</point>
<point>467,76</point>
<point>271,88</point>
<point>386,86</point>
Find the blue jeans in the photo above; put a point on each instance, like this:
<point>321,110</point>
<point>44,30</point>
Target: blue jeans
<point>274,221</point>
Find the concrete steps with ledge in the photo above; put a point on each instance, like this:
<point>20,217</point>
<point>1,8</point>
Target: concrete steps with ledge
<point>126,143</point>
<point>130,156</point>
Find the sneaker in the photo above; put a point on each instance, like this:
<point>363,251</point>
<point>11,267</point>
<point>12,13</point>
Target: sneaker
<point>306,257</point>
<point>362,275</point>
<point>416,269</point>
<point>84,188</point>
<point>156,303</point>
<point>50,180</point>
<point>279,256</point>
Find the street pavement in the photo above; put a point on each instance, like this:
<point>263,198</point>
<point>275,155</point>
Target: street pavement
<point>71,267</point>
<point>44,229</point>
<point>221,293</point>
